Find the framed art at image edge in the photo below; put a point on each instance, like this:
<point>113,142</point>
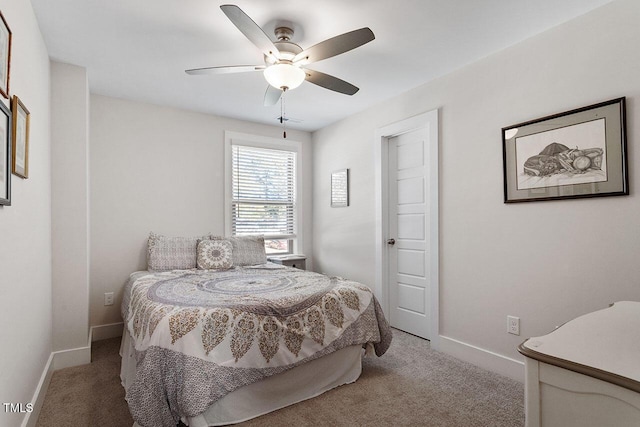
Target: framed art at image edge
<point>5,155</point>
<point>5,56</point>
<point>575,154</point>
<point>20,138</point>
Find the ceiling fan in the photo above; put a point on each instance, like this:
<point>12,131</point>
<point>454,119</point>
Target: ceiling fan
<point>284,61</point>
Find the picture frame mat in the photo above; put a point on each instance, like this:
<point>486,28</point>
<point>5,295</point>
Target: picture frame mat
<point>616,183</point>
<point>340,188</point>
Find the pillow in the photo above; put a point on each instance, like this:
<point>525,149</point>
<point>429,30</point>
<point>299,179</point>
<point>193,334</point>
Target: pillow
<point>214,255</point>
<point>172,253</point>
<point>247,250</point>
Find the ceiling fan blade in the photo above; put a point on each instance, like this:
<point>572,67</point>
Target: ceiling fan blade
<point>329,82</point>
<point>335,46</point>
<point>272,96</point>
<point>225,70</point>
<point>250,29</point>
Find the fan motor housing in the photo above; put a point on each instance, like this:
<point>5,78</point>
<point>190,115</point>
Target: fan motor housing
<point>287,49</point>
<point>283,33</point>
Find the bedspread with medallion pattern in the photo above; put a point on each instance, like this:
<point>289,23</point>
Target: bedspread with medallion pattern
<point>201,334</point>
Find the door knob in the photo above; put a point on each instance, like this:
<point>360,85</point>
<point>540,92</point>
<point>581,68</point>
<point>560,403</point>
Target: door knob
<point>391,242</point>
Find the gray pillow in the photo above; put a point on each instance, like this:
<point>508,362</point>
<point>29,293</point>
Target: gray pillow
<point>247,250</point>
<point>172,253</point>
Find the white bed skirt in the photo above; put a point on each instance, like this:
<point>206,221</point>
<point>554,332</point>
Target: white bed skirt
<point>293,386</point>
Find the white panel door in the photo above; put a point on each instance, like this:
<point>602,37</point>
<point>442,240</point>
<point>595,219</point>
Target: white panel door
<point>408,233</point>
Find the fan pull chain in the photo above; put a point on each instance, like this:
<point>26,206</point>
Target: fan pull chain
<point>283,120</point>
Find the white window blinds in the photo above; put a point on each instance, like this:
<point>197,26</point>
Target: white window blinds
<point>263,194</point>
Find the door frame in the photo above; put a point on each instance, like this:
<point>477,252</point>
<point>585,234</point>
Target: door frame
<point>428,120</point>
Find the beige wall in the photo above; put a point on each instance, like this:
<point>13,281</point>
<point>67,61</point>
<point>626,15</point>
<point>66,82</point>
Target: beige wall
<point>25,226</point>
<point>158,169</point>
<point>70,205</point>
<point>546,262</point>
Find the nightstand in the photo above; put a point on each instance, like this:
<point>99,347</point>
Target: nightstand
<point>295,261</point>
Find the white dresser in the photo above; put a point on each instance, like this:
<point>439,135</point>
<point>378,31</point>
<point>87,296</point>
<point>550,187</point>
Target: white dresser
<point>586,372</point>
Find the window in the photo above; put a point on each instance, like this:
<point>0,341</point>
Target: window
<point>263,195</point>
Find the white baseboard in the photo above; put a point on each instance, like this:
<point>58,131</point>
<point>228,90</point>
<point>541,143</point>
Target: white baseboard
<point>31,418</point>
<point>66,359</point>
<point>72,357</point>
<point>103,332</point>
<point>82,355</point>
<point>483,358</point>
<point>57,360</point>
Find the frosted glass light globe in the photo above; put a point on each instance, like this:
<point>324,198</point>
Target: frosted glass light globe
<point>283,76</point>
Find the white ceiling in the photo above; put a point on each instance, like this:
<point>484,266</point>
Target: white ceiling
<point>139,49</point>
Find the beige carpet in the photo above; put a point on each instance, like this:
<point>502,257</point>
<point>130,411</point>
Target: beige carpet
<point>88,395</point>
<point>411,385</point>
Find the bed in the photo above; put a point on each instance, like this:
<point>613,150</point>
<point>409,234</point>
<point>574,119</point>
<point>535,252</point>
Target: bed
<point>219,346</point>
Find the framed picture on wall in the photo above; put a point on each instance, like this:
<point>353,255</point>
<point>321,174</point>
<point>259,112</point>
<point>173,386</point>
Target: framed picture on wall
<point>575,154</point>
<point>20,138</point>
<point>340,189</point>
<point>5,56</point>
<point>5,155</point>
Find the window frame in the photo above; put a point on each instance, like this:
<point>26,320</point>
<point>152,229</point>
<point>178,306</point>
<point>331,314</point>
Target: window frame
<point>237,138</point>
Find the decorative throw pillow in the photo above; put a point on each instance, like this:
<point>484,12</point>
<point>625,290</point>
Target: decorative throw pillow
<point>215,254</point>
<point>172,253</point>
<point>247,250</point>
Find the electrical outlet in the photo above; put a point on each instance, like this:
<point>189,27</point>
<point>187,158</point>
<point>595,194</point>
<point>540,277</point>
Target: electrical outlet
<point>513,325</point>
<point>108,298</point>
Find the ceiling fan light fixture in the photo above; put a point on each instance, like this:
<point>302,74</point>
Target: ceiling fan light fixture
<point>283,76</point>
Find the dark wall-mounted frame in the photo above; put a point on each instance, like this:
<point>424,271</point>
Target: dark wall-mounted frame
<point>5,56</point>
<point>340,188</point>
<point>5,155</point>
<point>575,154</point>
